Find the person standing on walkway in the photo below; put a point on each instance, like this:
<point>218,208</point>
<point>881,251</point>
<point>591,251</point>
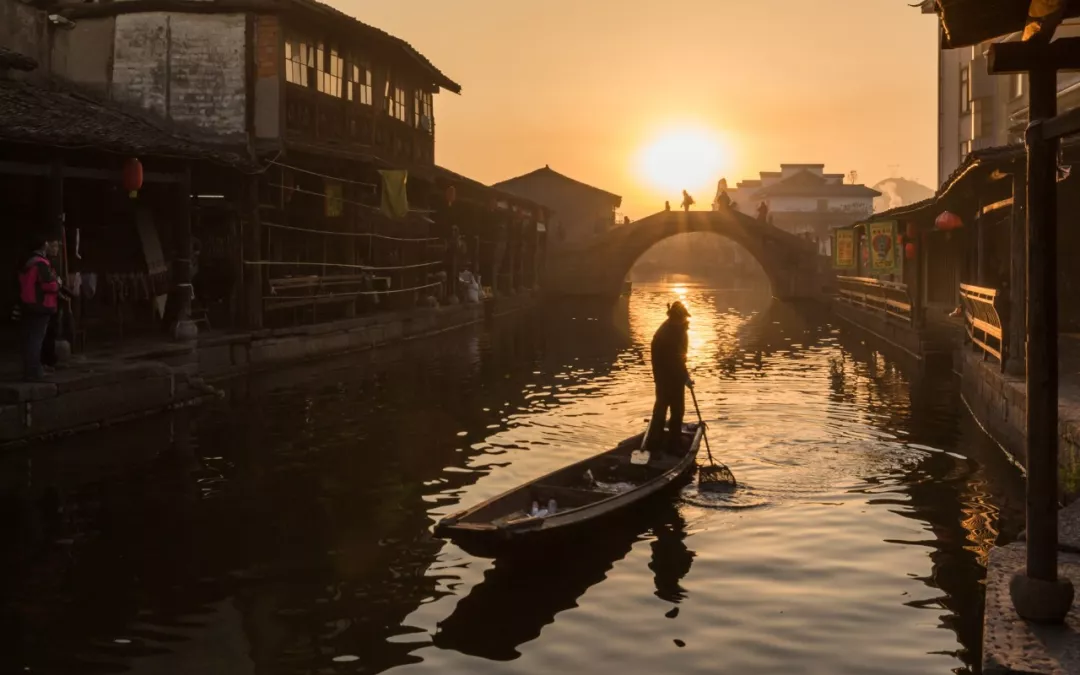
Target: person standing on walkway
<point>670,377</point>
<point>39,290</point>
<point>687,201</point>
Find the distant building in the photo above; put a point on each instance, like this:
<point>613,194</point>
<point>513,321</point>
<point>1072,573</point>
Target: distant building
<point>803,199</point>
<point>977,110</point>
<point>581,211</point>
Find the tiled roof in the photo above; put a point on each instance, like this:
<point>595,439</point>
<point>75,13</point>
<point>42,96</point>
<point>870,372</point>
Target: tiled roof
<point>966,23</point>
<point>370,31</point>
<point>548,171</point>
<point>49,112</point>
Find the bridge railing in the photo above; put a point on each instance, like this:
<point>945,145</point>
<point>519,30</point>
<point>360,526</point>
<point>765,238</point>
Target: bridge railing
<point>886,298</point>
<point>982,319</point>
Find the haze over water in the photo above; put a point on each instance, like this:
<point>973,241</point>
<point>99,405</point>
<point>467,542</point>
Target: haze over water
<point>289,532</point>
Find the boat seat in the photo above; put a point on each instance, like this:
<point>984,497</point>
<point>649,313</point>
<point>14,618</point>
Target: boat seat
<point>566,496</point>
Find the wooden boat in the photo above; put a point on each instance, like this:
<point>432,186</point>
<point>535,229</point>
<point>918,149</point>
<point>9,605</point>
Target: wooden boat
<point>593,489</point>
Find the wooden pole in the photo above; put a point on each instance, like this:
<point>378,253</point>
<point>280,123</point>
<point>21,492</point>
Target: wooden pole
<point>1017,335</point>
<point>980,246</point>
<point>182,287</point>
<point>252,247</point>
<point>1042,321</point>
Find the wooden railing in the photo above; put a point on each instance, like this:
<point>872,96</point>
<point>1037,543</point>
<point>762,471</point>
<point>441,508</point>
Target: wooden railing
<point>886,298</point>
<point>983,321</point>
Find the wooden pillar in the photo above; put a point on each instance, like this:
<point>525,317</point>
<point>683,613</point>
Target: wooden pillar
<point>252,252</point>
<point>1042,321</point>
<point>1039,594</point>
<point>1016,340</point>
<point>181,270</point>
<point>918,279</point>
<point>980,247</point>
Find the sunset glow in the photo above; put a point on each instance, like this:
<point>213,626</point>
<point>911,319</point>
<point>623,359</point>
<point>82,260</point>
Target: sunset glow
<point>689,158</point>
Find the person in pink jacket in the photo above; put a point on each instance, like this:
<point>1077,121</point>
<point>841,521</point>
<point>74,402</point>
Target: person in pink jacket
<point>39,293</point>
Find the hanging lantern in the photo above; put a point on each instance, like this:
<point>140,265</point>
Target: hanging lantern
<point>948,221</point>
<point>909,251</point>
<point>910,231</point>
<point>451,195</point>
<point>133,177</point>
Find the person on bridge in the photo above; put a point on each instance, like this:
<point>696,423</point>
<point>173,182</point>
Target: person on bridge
<point>670,377</point>
<point>687,201</point>
<point>763,212</point>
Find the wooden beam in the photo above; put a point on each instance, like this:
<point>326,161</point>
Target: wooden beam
<point>995,206</point>
<point>1024,57</point>
<point>34,169</point>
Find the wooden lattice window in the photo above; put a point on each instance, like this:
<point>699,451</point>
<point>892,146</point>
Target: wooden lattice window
<point>423,111</point>
<point>331,70</point>
<point>299,61</point>
<point>359,85</point>
<point>395,100</point>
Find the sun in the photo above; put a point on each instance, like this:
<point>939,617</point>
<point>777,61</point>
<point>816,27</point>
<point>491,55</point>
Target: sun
<point>683,159</point>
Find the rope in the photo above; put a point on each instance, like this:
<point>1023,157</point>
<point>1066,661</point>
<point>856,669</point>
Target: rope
<point>344,266</point>
<point>322,175</point>
<point>349,295</point>
<point>319,194</point>
<point>350,234</point>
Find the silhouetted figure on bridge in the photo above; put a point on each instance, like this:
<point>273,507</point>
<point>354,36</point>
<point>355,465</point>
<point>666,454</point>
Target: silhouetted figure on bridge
<point>670,377</point>
<point>763,212</point>
<point>687,201</point>
<point>667,206</point>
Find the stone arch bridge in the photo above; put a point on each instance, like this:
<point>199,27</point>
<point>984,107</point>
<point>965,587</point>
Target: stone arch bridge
<point>792,264</point>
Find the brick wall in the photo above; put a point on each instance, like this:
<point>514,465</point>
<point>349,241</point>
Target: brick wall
<point>188,67</point>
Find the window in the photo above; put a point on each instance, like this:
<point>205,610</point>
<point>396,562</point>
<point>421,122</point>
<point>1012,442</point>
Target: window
<point>423,118</point>
<point>331,69</point>
<point>965,150</point>
<point>299,60</point>
<point>395,100</point>
<point>359,88</point>
<point>1016,88</point>
<point>965,90</point>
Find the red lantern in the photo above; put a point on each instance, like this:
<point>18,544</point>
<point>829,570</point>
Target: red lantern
<point>948,221</point>
<point>909,251</point>
<point>911,232</point>
<point>133,176</point>
<point>451,195</point>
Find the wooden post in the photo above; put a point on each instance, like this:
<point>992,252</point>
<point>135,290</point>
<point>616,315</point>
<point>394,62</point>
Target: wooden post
<point>1039,594</point>
<point>980,246</point>
<point>918,280</point>
<point>1017,335</point>
<point>252,252</point>
<point>181,271</point>
<point>1042,356</point>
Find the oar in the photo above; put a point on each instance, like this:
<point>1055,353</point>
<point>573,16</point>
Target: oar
<point>716,476</point>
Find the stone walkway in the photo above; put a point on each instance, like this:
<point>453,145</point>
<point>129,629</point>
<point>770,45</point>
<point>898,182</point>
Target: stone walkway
<point>1012,646</point>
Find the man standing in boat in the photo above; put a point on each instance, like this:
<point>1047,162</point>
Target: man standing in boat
<point>670,376</point>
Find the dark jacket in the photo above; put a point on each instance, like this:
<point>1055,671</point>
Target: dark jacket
<point>669,346</point>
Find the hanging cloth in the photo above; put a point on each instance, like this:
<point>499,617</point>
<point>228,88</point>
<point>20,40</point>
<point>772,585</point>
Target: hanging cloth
<point>395,202</point>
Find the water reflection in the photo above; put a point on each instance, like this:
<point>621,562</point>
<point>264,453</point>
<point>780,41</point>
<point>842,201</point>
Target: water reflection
<point>288,530</point>
<point>522,593</point>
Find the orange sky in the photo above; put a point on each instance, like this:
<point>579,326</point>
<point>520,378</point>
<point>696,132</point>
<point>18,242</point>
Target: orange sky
<point>584,85</point>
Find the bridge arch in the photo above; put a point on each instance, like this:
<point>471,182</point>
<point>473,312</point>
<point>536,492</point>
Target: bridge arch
<point>792,264</point>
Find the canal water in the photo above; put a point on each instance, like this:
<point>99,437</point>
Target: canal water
<point>287,529</point>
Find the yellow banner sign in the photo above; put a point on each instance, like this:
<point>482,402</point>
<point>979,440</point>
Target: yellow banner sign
<point>844,250</point>
<point>882,240</point>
